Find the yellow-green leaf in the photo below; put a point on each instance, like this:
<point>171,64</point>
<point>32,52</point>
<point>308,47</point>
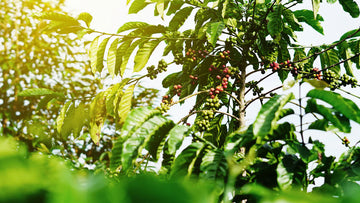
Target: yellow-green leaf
<point>100,55</point>
<point>111,59</point>
<point>61,117</point>
<point>125,103</point>
<point>97,116</point>
<point>93,53</point>
<point>143,54</point>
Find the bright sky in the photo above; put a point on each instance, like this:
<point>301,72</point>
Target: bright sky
<point>109,15</point>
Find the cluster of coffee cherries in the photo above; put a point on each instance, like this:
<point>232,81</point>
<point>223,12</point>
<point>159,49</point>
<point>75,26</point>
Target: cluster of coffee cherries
<point>275,66</point>
<point>225,54</point>
<point>193,79</point>
<point>222,74</point>
<point>315,73</point>
<point>177,90</point>
<point>165,104</point>
<point>204,123</point>
<point>194,55</point>
<point>212,103</point>
<point>152,71</point>
<point>111,173</point>
<point>295,71</point>
<point>336,82</point>
<point>255,88</point>
<point>345,141</point>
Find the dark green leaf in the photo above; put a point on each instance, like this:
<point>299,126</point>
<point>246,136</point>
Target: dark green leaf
<point>269,114</point>
<point>185,160</point>
<point>133,146</point>
<point>353,33</point>
<point>345,106</point>
<point>275,24</point>
<point>214,166</point>
<point>157,140</point>
<point>351,7</point>
<point>307,17</point>
<point>339,122</point>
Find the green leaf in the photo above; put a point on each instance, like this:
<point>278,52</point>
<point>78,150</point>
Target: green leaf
<point>338,121</point>
<point>321,124</point>
<point>345,54</point>
<point>97,116</point>
<point>75,119</point>
<point>284,178</point>
<point>143,54</point>
<point>214,31</point>
<point>128,52</point>
<point>86,17</point>
<point>39,92</point>
<point>111,59</point>
<point>290,18</point>
<point>44,101</point>
<point>275,24</point>
<point>176,136</point>
<point>179,18</point>
<point>345,106</point>
<point>168,81</point>
<point>349,33</point>
<point>132,25</point>
<point>135,119</point>
<point>137,6</point>
<point>182,165</point>
<point>175,5</point>
<point>315,6</point>
<point>329,58</point>
<point>133,146</point>
<point>93,53</point>
<point>351,7</point>
<point>318,84</point>
<point>120,52</point>
<point>59,17</point>
<point>157,140</point>
<point>214,166</point>
<point>116,151</point>
<point>269,114</point>
<point>61,117</point>
<point>307,16</point>
<point>100,55</point>
<point>113,96</point>
<point>125,103</point>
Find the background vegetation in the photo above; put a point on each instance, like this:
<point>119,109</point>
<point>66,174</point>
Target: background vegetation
<point>92,132</point>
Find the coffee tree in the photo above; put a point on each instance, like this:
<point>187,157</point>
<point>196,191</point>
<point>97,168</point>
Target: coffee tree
<point>229,42</point>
